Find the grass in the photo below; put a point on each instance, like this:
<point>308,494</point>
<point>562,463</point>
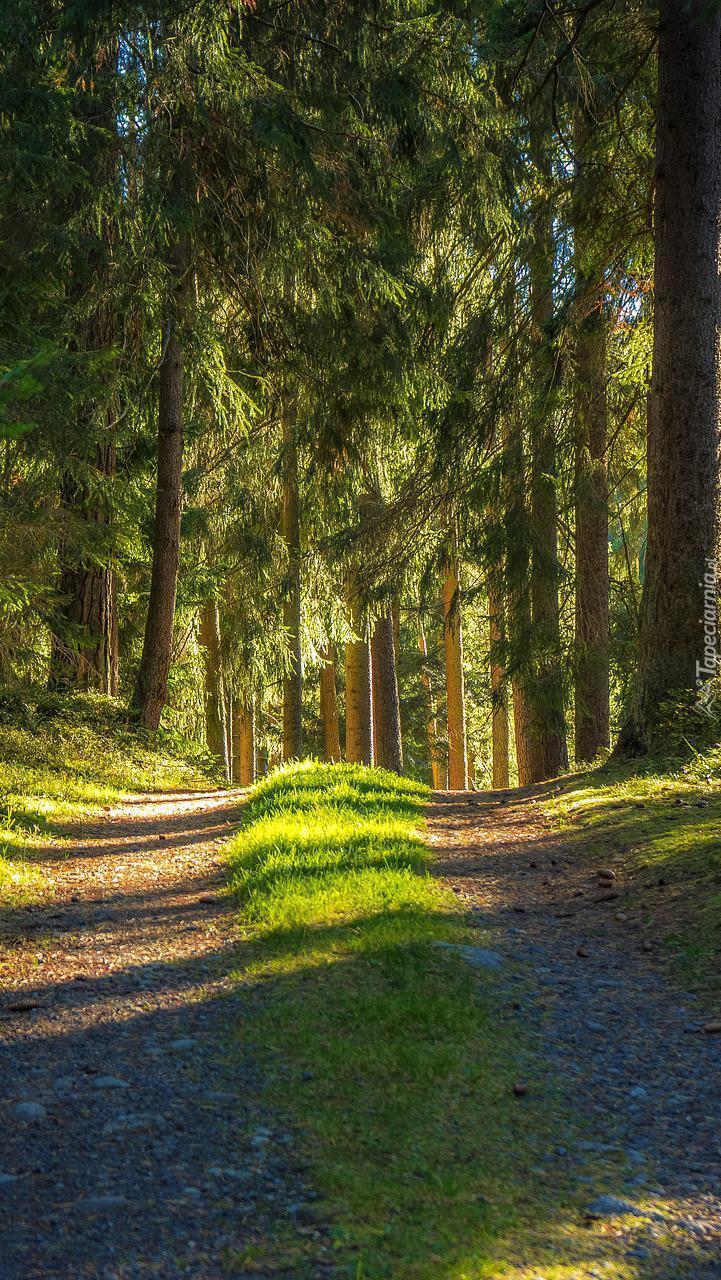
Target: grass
<point>62,759</point>
<point>663,822</point>
<point>391,1061</point>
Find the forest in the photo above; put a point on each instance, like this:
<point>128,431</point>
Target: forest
<point>336,339</point>
<point>359,523</point>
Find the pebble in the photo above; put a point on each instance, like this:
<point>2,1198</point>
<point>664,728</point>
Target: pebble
<point>109,1082</point>
<point>182,1044</point>
<point>29,1111</point>
<point>635,1157</point>
<point>479,957</point>
<point>132,1123</point>
<point>607,1206</point>
<point>7,1178</point>
<point>101,1204</point>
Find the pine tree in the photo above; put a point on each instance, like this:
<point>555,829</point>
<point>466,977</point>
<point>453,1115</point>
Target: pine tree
<point>387,743</point>
<point>677,641</point>
<point>591,692</point>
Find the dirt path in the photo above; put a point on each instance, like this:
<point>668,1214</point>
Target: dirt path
<point>628,1048</point>
<point>127,1148</point>
<point>125,1151</point>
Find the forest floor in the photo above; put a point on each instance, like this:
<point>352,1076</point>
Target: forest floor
<point>636,1056</point>
<point>344,1068</point>
<point>125,1150</point>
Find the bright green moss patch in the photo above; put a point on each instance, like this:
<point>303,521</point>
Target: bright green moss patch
<point>71,756</point>
<point>391,1062</point>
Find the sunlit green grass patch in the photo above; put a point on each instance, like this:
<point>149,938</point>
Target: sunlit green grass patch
<point>390,1060</point>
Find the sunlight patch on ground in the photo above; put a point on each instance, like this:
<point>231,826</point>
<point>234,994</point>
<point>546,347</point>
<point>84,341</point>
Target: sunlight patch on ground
<point>387,1057</point>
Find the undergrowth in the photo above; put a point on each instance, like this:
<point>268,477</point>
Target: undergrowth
<point>65,757</point>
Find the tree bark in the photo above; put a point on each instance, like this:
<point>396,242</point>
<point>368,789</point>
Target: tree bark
<point>215,710</point>
<point>84,638</point>
<point>84,631</point>
<point>387,740</point>
<point>151,688</point>
<point>677,649</point>
<point>591,692</point>
<point>438,765</point>
<point>329,707</point>
<point>293,681</point>
<point>517,541</point>
<point>547,745</point>
<point>358,713</point>
<point>455,691</point>
<point>499,696</point>
<point>243,742</point>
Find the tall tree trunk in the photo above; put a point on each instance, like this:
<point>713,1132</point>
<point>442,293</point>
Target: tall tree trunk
<point>293,682</point>
<point>455,691</point>
<point>678,649</point>
<point>499,695</point>
<point>591,693</point>
<point>84,639</point>
<point>151,687</point>
<point>358,714</point>
<point>209,639</point>
<point>329,707</point>
<point>548,750</point>
<point>517,539</point>
<point>388,746</point>
<point>522,732</point>
<point>438,764</point>
<point>243,741</point>
<point>84,631</point>
<point>497,630</point>
<point>230,744</point>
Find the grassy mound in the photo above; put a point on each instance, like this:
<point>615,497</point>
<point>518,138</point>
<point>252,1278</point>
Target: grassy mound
<point>62,758</point>
<point>391,1061</point>
<point>663,824</point>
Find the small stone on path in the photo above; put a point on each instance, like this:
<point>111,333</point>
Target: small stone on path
<point>29,1111</point>
<point>109,1082</point>
<point>479,957</point>
<point>607,1206</point>
<point>101,1204</point>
